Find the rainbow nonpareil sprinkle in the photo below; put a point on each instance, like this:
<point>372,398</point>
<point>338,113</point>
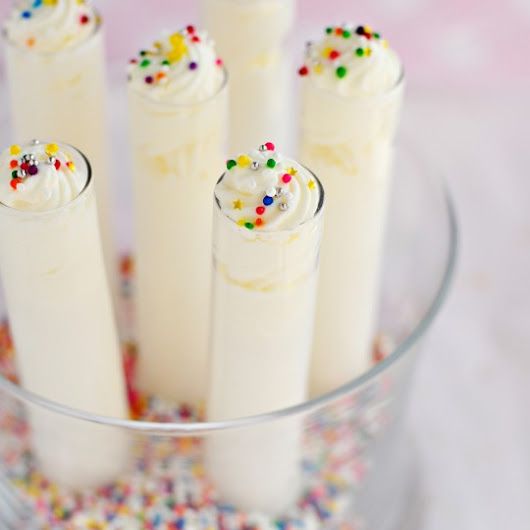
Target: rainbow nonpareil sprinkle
<point>167,487</point>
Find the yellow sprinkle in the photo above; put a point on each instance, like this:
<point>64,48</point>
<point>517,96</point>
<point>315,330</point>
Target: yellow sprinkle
<point>326,52</point>
<point>311,184</point>
<point>157,45</point>
<point>244,161</point>
<point>237,204</point>
<point>71,165</point>
<point>176,39</point>
<point>292,171</point>
<point>52,149</point>
<point>241,222</point>
<point>318,68</point>
<point>15,150</point>
<point>49,2</point>
<point>368,52</point>
<point>175,55</point>
<point>368,29</point>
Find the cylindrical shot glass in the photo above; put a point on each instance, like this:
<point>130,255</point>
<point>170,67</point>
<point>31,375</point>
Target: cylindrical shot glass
<point>176,150</point>
<point>350,140</point>
<point>62,95</point>
<point>66,342</point>
<point>250,37</point>
<point>264,292</point>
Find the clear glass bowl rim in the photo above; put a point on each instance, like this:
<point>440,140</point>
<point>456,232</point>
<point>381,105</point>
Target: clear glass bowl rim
<point>203,428</point>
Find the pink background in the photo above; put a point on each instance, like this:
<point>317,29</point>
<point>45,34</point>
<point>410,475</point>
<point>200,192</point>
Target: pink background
<point>449,43</point>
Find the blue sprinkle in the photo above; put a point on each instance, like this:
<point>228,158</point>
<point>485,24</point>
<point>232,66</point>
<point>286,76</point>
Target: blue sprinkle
<point>157,520</point>
<point>26,14</point>
<point>37,3</point>
<point>180,523</point>
<point>267,201</point>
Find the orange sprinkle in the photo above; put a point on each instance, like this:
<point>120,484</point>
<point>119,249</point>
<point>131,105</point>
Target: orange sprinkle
<point>31,42</point>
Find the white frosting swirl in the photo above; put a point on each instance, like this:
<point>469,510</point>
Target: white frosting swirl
<point>181,68</point>
<point>40,177</point>
<point>352,60</point>
<point>267,192</point>
<point>49,26</point>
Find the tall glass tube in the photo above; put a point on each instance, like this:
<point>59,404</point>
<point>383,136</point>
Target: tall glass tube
<point>176,150</point>
<point>350,140</point>
<point>250,37</point>
<point>62,95</point>
<point>64,331</point>
<point>264,291</point>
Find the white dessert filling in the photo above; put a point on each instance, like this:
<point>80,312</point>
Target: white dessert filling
<point>265,191</point>
<point>352,60</point>
<point>40,177</point>
<point>179,68</point>
<point>51,25</point>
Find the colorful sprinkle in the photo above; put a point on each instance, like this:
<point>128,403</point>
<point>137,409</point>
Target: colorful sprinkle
<point>270,146</point>
<point>311,185</point>
<point>13,164</point>
<point>249,225</point>
<point>230,164</point>
<point>51,149</point>
<point>271,163</point>
<point>85,19</point>
<point>15,182</point>
<point>341,72</point>
<point>286,178</point>
<point>149,79</point>
<point>258,221</point>
<point>145,63</point>
<point>244,161</point>
<point>303,71</point>
<point>193,65</point>
<point>359,52</point>
<point>260,210</point>
<point>267,201</point>
<point>26,14</point>
<point>15,150</point>
<point>237,204</point>
<point>334,54</point>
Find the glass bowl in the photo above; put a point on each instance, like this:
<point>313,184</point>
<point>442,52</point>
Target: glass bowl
<point>356,460</point>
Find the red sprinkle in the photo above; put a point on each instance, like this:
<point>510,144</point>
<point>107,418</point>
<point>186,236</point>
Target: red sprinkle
<point>57,164</point>
<point>219,62</point>
<point>195,39</point>
<point>260,210</point>
<point>133,61</point>
<point>339,31</point>
<point>286,178</point>
<point>85,19</point>
<point>269,146</point>
<point>190,29</point>
<point>24,166</point>
<point>15,182</point>
<point>13,164</point>
<point>303,71</point>
<point>258,221</point>
<point>334,54</point>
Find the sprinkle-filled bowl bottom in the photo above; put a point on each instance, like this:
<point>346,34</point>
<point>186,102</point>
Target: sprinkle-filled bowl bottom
<point>167,488</point>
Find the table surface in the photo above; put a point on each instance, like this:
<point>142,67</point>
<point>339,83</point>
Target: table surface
<point>469,411</point>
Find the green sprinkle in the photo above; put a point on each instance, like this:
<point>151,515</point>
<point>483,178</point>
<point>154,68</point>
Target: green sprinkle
<point>145,63</point>
<point>359,52</point>
<point>14,174</point>
<point>329,31</point>
<point>341,72</point>
<point>165,62</point>
<point>271,163</point>
<point>250,226</point>
<point>230,164</point>
<point>377,36</point>
<point>143,53</point>
<point>346,34</point>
